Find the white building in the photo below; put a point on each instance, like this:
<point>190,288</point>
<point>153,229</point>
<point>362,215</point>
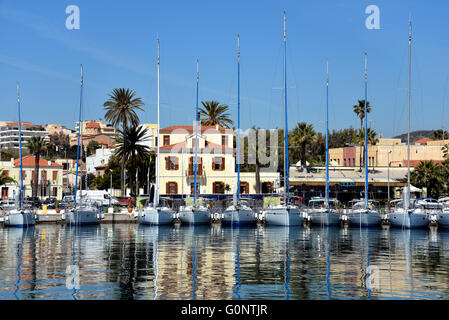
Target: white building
<point>9,134</point>
<point>99,159</point>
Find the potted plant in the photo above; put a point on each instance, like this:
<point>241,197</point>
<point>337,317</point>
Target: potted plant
<point>58,209</point>
<point>131,205</point>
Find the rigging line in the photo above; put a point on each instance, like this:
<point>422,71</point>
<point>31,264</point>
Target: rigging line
<point>404,52</point>
<point>274,81</point>
<point>293,69</point>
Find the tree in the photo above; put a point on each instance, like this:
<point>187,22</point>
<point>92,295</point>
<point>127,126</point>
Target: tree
<point>303,135</point>
<point>4,178</point>
<point>36,145</point>
<point>92,146</point>
<point>359,110</point>
<point>121,108</point>
<point>429,175</point>
<point>440,135</point>
<point>129,147</point>
<point>213,113</point>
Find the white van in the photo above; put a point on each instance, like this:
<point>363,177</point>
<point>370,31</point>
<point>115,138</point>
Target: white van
<point>98,195</point>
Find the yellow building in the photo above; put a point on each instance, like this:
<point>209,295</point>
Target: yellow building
<point>216,162</point>
<point>49,183</point>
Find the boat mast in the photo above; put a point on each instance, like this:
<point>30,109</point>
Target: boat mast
<point>366,135</point>
<point>196,131</point>
<point>156,189</point>
<point>327,132</point>
<point>286,182</point>
<point>406,205</point>
<point>20,149</point>
<point>238,118</point>
<point>79,136</point>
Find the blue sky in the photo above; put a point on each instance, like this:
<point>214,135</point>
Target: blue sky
<point>116,43</point>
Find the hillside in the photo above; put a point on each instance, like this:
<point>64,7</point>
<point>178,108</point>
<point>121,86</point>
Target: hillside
<point>416,135</point>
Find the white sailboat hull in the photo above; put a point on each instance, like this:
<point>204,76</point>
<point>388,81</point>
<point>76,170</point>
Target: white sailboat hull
<point>325,217</point>
<point>155,216</point>
<point>283,217</point>
<point>194,216</point>
<point>443,219</point>
<point>408,220</point>
<point>18,219</point>
<point>363,218</point>
<point>239,217</point>
<point>82,217</point>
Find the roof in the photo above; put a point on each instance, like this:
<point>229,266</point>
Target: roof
<point>28,161</point>
<point>93,124</point>
<point>16,123</point>
<point>423,141</point>
<point>191,129</point>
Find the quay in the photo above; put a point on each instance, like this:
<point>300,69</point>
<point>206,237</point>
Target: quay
<point>51,217</point>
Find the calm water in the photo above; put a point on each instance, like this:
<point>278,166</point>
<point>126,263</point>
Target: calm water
<point>136,262</point>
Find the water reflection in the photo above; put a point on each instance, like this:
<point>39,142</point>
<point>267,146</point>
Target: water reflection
<point>213,262</point>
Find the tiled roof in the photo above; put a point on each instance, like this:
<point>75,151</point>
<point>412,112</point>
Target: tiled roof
<point>93,124</point>
<point>16,123</point>
<point>423,141</point>
<point>28,161</point>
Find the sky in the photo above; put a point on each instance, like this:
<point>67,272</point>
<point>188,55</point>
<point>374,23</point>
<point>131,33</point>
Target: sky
<point>116,43</point>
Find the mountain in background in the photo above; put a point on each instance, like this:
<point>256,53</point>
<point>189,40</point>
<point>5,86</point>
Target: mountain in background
<point>416,135</point>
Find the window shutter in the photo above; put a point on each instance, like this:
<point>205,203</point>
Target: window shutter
<point>167,188</point>
<point>166,163</point>
<point>200,166</point>
<point>176,163</point>
<point>214,186</point>
<point>176,188</point>
<point>222,163</point>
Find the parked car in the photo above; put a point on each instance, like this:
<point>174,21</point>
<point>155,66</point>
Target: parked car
<point>33,202</point>
<point>51,203</point>
<point>125,201</point>
<point>101,196</point>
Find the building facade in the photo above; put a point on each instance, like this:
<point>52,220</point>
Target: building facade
<point>50,182</point>
<point>216,172</point>
<point>9,134</point>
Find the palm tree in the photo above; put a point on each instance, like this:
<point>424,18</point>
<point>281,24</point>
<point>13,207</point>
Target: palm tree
<point>129,146</point>
<point>121,111</point>
<point>36,145</point>
<point>359,110</point>
<point>429,175</point>
<point>303,135</point>
<point>213,113</point>
<point>4,178</point>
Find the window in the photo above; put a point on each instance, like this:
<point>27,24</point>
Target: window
<point>224,140</point>
<point>166,140</point>
<point>218,163</point>
<point>353,162</point>
<point>199,166</point>
<point>55,192</point>
<point>219,187</point>
<point>197,188</point>
<point>244,187</point>
<point>171,163</point>
<point>172,188</point>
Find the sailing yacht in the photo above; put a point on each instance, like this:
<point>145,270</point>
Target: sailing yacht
<point>363,213</point>
<point>19,216</point>
<point>443,217</point>
<point>407,214</point>
<point>195,212</point>
<point>284,214</point>
<point>323,211</point>
<point>155,213</point>
<point>84,212</point>
<point>239,212</point>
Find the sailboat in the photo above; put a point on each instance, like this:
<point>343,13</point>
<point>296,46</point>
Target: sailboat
<point>364,212</point>
<point>84,212</point>
<point>407,214</point>
<point>284,214</point>
<point>324,211</point>
<point>195,212</point>
<point>239,212</point>
<point>154,213</point>
<point>20,216</point>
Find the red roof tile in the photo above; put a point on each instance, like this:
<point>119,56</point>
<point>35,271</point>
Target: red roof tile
<point>93,124</point>
<point>423,141</point>
<point>16,123</point>
<point>28,161</point>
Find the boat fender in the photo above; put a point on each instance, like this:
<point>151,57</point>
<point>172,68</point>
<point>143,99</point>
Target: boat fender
<point>63,216</point>
<point>102,216</point>
<point>6,218</point>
